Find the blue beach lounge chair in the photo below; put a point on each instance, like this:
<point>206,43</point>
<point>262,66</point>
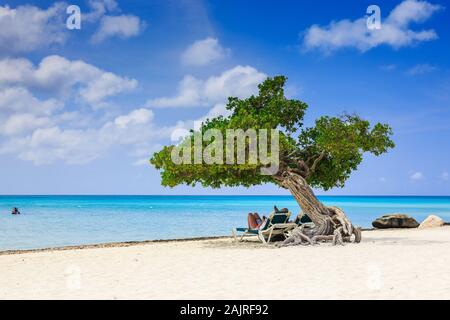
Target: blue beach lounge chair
<point>276,224</point>
<point>303,219</point>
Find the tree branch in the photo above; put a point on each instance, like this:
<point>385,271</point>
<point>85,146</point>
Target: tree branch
<point>316,162</point>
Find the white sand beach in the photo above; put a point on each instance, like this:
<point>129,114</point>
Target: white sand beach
<point>391,264</point>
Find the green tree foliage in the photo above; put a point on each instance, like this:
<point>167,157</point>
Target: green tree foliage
<point>325,155</point>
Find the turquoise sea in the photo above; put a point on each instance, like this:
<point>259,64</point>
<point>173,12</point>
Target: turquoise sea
<point>51,221</point>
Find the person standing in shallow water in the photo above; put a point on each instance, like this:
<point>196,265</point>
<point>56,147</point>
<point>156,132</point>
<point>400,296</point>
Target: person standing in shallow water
<point>15,210</point>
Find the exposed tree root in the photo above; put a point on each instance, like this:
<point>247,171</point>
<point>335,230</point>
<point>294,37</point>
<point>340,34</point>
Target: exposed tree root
<point>330,223</point>
<point>336,229</point>
<point>297,237</point>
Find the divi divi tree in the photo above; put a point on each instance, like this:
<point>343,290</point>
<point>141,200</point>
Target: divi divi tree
<point>322,156</point>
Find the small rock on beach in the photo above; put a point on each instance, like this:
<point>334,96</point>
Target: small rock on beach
<point>432,221</point>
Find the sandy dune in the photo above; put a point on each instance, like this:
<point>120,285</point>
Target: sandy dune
<point>387,264</point>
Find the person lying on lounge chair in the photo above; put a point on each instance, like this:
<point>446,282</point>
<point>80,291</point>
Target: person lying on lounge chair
<point>255,221</point>
<point>276,224</point>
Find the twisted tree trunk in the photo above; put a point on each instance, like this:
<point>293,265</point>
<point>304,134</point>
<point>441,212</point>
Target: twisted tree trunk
<point>330,223</point>
<point>305,197</point>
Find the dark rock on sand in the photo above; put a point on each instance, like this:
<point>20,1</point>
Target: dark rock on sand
<point>395,221</point>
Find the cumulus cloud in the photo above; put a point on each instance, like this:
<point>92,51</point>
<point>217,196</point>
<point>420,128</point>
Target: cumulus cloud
<point>106,85</point>
<point>213,92</point>
<point>189,95</point>
<point>17,124</point>
<point>417,176</point>
<point>18,99</point>
<point>217,110</point>
<point>204,52</point>
<point>40,130</point>
<point>46,145</point>
<point>123,27</point>
<point>136,117</point>
<point>43,130</point>
<point>57,74</point>
<point>112,26</point>
<point>240,81</point>
<point>445,176</point>
<point>420,69</point>
<point>182,129</point>
<point>80,146</point>
<point>395,30</point>
<point>99,8</point>
<point>27,28</point>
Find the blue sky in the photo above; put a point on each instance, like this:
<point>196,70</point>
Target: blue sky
<point>81,110</point>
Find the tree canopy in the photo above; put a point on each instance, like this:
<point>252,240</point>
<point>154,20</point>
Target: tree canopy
<point>324,155</point>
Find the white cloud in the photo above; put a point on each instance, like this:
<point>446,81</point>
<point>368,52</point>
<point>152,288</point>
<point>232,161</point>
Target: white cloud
<point>421,69</point>
<point>18,99</point>
<point>139,116</point>
<point>22,123</point>
<point>182,128</point>
<point>240,81</point>
<point>417,176</point>
<point>112,26</point>
<point>14,70</point>
<point>46,145</point>
<point>99,8</point>
<point>395,30</point>
<point>412,11</point>
<point>27,28</point>
<point>57,74</point>
<point>218,110</point>
<point>79,146</point>
<point>44,130</point>
<point>189,95</point>
<point>47,130</point>
<point>204,52</point>
<point>123,27</point>
<point>106,85</point>
<point>445,176</point>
